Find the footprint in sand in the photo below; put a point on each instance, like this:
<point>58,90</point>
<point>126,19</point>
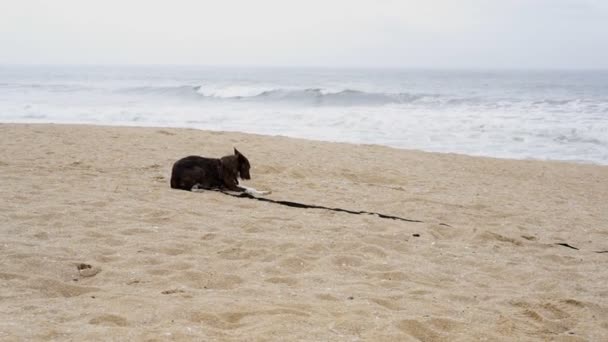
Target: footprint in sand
<point>325,296</point>
<point>491,237</point>
<point>86,270</point>
<point>208,280</point>
<point>54,288</point>
<point>109,320</point>
<point>553,317</point>
<point>434,329</point>
<point>282,280</point>
<point>234,320</point>
<point>388,303</point>
<point>172,291</point>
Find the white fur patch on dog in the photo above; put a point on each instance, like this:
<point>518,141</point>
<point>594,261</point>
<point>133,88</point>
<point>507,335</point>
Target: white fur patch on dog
<point>254,192</point>
<point>196,188</point>
<point>248,190</point>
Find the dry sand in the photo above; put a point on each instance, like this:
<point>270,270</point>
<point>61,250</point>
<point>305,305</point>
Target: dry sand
<point>175,265</point>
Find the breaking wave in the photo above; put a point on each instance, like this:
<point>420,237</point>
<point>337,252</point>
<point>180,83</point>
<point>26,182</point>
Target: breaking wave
<point>352,97</point>
<point>313,96</point>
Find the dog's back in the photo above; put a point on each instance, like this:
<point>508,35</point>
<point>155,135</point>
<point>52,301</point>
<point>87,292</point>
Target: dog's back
<point>195,170</point>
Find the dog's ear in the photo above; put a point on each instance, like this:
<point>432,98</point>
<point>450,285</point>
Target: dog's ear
<point>236,152</point>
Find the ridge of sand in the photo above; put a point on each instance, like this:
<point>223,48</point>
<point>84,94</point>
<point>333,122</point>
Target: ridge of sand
<point>94,245</point>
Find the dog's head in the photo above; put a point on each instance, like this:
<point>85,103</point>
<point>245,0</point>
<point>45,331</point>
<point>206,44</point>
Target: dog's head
<point>243,165</point>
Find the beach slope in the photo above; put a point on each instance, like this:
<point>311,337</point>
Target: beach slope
<point>94,245</point>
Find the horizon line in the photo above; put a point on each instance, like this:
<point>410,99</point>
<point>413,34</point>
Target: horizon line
<point>318,67</point>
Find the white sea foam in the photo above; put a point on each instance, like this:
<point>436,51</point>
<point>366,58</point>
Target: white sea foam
<point>540,115</point>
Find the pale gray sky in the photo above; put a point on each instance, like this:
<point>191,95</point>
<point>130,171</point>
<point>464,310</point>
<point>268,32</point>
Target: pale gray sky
<point>371,33</point>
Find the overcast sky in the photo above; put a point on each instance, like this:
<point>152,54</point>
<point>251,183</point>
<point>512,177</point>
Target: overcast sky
<point>345,33</point>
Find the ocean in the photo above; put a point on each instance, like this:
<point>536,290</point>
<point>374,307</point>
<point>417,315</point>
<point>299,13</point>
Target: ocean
<point>519,114</point>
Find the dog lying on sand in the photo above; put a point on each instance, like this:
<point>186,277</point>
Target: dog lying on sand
<point>200,173</point>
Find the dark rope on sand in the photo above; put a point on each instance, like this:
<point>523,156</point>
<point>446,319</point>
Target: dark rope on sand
<point>567,245</point>
<point>384,216</point>
<point>575,248</point>
<point>310,206</point>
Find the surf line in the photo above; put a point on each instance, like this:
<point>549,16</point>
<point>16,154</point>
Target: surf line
<point>311,206</point>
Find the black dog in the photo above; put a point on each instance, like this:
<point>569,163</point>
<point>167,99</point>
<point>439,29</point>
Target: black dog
<point>196,172</point>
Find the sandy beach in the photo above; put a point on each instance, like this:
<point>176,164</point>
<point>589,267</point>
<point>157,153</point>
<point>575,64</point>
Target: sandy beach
<point>94,245</point>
